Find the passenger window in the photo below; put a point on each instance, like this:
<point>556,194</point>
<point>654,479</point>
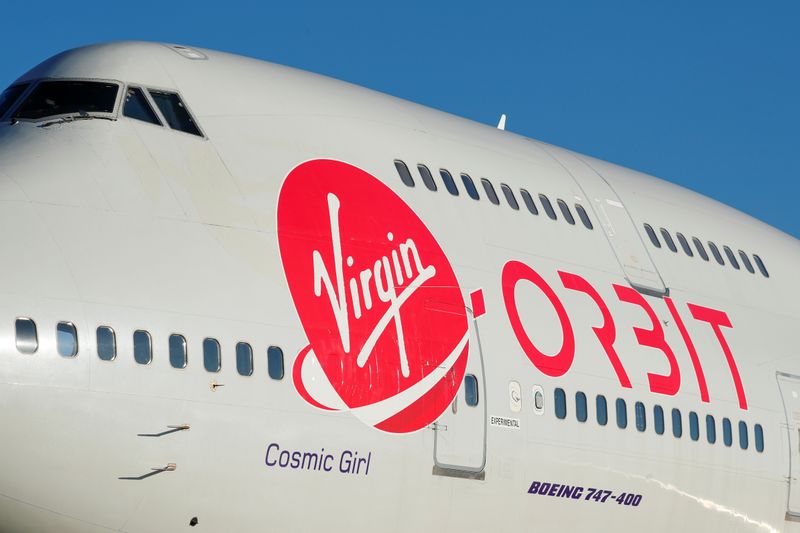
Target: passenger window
<point>177,351</point>
<point>584,216</point>
<point>668,239</point>
<point>560,403</point>
<point>510,198</point>
<point>658,419</point>
<point>538,400</point>
<point>275,362</point>
<point>727,432</point>
<point>700,248</point>
<point>66,339</point>
<point>548,207</point>
<point>759,433</point>
<point>566,212</point>
<point>743,435</point>
<point>469,185</point>
<point>212,358</point>
<point>427,179</point>
<point>652,234</point>
<point>580,407</point>
<point>694,426</point>
<point>526,197</point>
<point>244,359</point>
<point>402,171</point>
<point>715,253</point>
<point>490,193</point>
<point>471,390</point>
<point>175,112</point>
<point>685,245</point>
<point>746,261</point>
<point>10,96</point>
<point>677,424</point>
<point>106,343</point>
<point>61,97</point>
<point>711,429</point>
<point>731,258</point>
<point>760,265</point>
<point>142,347</point>
<point>26,338</point>
<point>137,107</point>
<point>641,417</point>
<point>449,182</point>
<point>602,410</point>
<point>622,414</point>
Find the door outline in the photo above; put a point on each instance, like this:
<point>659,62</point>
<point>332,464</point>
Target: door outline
<point>790,478</point>
<point>586,177</point>
<point>462,471</point>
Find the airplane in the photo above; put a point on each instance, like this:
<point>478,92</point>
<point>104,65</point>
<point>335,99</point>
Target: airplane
<point>237,296</point>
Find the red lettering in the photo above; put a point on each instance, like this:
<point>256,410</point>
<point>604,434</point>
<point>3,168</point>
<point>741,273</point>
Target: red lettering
<point>607,333</point>
<point>717,320</point>
<point>653,338</point>
<point>551,365</point>
<point>698,369</point>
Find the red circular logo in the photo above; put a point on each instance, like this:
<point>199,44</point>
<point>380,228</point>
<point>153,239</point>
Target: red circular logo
<point>377,297</point>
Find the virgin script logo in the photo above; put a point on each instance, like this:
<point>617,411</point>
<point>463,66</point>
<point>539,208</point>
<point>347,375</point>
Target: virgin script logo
<point>377,298</point>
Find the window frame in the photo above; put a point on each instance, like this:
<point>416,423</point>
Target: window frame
<point>252,362</point>
<point>491,192</point>
<point>219,355</point>
<point>511,200</point>
<point>149,347</point>
<point>74,336</point>
<point>651,233</point>
<point>185,351</point>
<point>20,98</point>
<point>600,400</point>
<point>581,408</point>
<point>547,205</point>
<point>565,212</point>
<point>469,186</point>
<point>528,201</point>
<point>150,88</point>
<point>404,173</point>
<point>449,182</point>
<point>271,350</point>
<point>113,115</point>
<point>113,339</point>
<point>471,378</point>
<point>560,403</point>
<point>153,107</point>
<point>684,244</point>
<point>701,250</point>
<point>667,236</point>
<point>426,177</point>
<point>584,216</point>
<point>17,336</point>
<point>621,412</point>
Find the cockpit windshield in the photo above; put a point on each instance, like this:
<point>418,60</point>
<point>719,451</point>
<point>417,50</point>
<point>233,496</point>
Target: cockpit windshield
<point>10,96</point>
<point>53,98</point>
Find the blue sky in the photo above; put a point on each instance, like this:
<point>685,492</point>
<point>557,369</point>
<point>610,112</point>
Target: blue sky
<point>703,94</point>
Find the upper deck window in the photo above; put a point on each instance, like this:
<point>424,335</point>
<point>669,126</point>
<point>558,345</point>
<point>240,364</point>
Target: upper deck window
<point>490,193</point>
<point>175,112</point>
<point>136,106</point>
<point>54,98</point>
<point>10,97</point>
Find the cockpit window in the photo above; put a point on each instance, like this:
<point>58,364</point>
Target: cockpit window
<point>175,112</point>
<point>52,98</point>
<point>10,96</point>
<point>136,106</point>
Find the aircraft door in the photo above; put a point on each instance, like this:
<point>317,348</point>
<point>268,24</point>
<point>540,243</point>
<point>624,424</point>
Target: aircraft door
<point>460,432</point>
<point>790,392</point>
<point>618,226</point>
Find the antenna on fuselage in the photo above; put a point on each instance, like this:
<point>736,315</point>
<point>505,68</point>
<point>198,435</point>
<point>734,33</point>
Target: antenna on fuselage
<point>502,124</point>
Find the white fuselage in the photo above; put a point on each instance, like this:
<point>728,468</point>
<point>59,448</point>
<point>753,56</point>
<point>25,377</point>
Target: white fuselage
<point>246,235</point>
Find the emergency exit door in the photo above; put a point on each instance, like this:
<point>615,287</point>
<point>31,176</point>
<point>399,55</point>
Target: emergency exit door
<point>790,392</point>
<point>460,432</point>
<point>617,224</point>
